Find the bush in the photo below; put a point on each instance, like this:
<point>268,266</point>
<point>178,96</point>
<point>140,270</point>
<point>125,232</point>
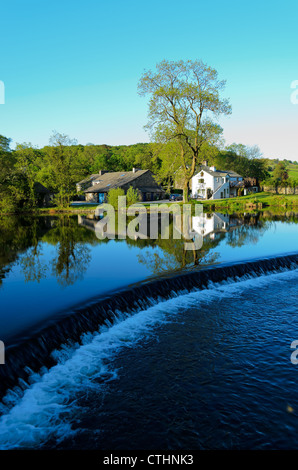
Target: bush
<point>132,196</point>
<point>113,196</point>
<point>8,204</point>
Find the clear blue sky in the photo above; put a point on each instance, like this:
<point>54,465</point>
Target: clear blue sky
<point>73,66</point>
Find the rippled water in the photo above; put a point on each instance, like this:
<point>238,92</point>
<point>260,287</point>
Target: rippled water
<point>208,369</point>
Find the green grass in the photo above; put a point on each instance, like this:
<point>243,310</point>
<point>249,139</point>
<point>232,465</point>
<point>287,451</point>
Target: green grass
<point>265,198</point>
<point>292,170</point>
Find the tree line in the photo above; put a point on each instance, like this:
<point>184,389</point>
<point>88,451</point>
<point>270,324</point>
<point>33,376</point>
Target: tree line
<point>185,101</point>
<point>61,164</point>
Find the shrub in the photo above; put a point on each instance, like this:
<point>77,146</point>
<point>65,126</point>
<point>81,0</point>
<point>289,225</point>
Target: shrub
<point>113,196</point>
<point>8,204</point>
<point>132,196</point>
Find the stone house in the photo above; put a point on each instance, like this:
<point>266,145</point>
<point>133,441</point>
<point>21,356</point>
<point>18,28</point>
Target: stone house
<point>97,186</point>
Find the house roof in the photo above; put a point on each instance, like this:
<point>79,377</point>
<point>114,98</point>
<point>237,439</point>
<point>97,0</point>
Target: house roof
<point>40,188</point>
<point>234,174</point>
<point>211,172</point>
<point>89,178</point>
<point>219,172</point>
<point>116,179</point>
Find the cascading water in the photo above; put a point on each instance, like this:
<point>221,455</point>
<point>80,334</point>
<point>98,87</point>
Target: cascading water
<point>28,357</point>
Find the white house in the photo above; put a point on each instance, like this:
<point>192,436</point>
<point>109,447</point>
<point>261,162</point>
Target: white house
<point>210,183</point>
<point>210,224</point>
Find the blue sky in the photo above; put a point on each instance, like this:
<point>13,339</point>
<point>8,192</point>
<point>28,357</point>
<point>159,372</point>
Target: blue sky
<point>73,66</point>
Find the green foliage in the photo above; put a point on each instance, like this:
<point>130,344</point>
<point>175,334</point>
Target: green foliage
<point>242,162</point>
<point>280,172</point>
<point>132,196</point>
<point>184,95</point>
<point>7,204</point>
<point>113,196</point>
<point>4,143</point>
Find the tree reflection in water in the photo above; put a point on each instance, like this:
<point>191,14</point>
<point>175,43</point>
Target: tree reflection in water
<point>23,243</point>
<point>72,252</point>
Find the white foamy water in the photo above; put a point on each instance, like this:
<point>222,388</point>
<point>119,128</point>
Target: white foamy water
<point>45,409</point>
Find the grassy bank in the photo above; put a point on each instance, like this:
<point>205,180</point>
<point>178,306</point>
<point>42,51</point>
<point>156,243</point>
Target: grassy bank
<point>258,201</point>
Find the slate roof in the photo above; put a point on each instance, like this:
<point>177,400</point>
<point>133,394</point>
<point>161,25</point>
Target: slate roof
<point>211,172</point>
<point>215,173</point>
<point>234,174</point>
<point>116,179</point>
<point>40,188</point>
<point>89,178</point>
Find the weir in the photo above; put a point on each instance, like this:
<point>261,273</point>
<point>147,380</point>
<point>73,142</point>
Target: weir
<point>35,352</point>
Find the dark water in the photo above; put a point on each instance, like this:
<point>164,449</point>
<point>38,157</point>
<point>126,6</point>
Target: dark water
<point>216,375</point>
<point>209,369</point>
<point>205,368</point>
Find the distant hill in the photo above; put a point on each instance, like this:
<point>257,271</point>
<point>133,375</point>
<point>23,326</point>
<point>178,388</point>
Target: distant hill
<point>292,166</point>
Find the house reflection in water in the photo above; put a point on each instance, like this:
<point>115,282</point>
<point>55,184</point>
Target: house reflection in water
<point>209,225</point>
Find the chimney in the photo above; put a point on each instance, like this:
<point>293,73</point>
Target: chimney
<point>213,168</point>
<point>101,172</point>
<point>205,162</point>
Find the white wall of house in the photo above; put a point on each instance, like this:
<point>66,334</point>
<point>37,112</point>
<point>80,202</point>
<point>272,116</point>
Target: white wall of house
<point>204,183</point>
<point>206,224</point>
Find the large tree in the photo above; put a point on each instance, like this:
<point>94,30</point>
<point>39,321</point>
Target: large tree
<point>4,143</point>
<point>185,96</point>
<point>64,170</point>
<point>280,172</point>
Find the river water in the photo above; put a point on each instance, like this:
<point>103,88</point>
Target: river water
<point>200,368</point>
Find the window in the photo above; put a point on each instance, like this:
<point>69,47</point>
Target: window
<point>201,180</point>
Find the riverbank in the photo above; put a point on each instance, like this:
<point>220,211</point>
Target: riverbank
<point>256,202</point>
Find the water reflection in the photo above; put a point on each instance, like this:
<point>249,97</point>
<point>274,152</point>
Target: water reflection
<point>238,229</point>
<point>62,246</point>
<point>23,241</point>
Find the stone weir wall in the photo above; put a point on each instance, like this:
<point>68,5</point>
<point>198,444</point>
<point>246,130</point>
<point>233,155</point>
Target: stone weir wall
<point>33,353</point>
<point>280,189</point>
